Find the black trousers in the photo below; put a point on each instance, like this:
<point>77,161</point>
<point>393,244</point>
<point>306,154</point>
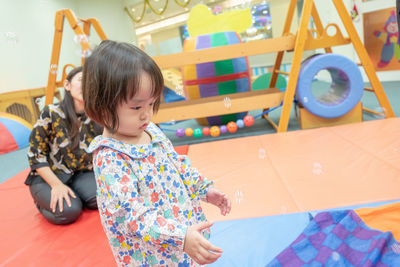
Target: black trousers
<point>84,186</point>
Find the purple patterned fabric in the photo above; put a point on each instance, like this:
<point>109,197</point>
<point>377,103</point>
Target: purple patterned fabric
<point>340,238</point>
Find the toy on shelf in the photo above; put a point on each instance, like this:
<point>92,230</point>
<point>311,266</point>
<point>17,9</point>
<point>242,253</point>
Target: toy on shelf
<point>215,131</point>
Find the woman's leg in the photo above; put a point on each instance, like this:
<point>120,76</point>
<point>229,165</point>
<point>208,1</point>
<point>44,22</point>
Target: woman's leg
<point>41,193</point>
<point>84,185</point>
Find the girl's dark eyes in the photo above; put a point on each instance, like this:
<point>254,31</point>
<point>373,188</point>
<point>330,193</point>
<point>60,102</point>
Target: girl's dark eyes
<point>137,108</point>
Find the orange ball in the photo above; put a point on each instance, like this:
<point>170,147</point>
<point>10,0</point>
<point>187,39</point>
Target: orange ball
<point>214,131</point>
<point>189,132</point>
<point>232,127</point>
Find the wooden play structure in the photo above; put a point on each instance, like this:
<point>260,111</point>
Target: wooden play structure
<point>288,42</point>
<point>304,39</point>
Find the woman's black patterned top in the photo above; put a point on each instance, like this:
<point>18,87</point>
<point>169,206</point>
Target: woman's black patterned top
<point>51,146</point>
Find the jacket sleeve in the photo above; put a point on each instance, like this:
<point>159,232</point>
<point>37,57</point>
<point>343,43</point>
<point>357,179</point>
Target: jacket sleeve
<point>126,210</point>
<point>192,178</point>
<point>39,140</point>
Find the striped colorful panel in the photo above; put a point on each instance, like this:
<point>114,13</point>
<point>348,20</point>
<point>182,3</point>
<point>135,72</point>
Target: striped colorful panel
<point>207,73</point>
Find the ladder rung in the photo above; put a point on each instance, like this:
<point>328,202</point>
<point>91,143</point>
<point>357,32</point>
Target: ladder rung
<point>282,72</point>
<point>373,111</point>
<point>270,121</point>
<point>369,89</point>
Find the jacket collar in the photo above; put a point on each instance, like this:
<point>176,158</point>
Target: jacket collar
<point>134,151</point>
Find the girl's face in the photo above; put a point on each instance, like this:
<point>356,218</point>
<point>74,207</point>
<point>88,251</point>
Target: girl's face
<point>75,88</point>
<point>135,114</point>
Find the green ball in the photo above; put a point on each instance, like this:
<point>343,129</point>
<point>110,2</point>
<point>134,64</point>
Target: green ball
<point>197,133</point>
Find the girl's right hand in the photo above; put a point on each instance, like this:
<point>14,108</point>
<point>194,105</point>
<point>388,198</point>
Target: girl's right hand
<point>199,248</point>
<point>58,193</point>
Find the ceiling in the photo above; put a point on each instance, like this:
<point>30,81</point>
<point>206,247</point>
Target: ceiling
<point>135,8</point>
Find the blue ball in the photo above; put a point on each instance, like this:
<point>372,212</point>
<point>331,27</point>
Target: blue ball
<point>240,123</point>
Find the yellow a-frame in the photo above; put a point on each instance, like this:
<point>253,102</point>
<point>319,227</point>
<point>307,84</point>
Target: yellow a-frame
<point>52,83</point>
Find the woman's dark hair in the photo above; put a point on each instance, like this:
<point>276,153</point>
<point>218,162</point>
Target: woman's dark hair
<point>111,75</point>
<point>67,106</point>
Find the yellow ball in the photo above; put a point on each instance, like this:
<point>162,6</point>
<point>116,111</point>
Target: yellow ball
<point>189,132</point>
<point>214,131</point>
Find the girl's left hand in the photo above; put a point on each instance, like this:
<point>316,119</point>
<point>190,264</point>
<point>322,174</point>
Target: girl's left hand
<point>219,199</point>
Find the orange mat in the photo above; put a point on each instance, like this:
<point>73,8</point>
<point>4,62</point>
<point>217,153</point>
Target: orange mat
<point>263,175</point>
<point>304,170</point>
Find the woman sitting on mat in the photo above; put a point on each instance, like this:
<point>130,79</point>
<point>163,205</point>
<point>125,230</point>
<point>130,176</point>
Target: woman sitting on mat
<point>61,180</point>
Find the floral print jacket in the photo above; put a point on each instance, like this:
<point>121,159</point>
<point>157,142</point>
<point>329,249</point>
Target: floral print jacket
<point>147,196</point>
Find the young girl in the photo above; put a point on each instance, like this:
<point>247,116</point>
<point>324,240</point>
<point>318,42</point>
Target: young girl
<point>61,179</point>
<point>148,195</point>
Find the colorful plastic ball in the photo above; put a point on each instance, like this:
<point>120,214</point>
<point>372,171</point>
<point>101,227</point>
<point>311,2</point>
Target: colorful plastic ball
<point>189,131</point>
<point>206,131</point>
<point>223,129</point>
<point>197,133</point>
<point>180,132</point>
<point>240,123</point>
<point>248,120</point>
<point>232,127</point>
<point>214,131</point>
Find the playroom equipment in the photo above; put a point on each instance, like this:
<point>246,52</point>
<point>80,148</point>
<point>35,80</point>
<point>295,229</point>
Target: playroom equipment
<point>261,99</point>
<point>272,97</point>
<point>341,103</point>
<point>22,103</point>
<point>14,133</point>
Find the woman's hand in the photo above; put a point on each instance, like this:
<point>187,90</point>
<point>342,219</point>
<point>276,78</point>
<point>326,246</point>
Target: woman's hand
<point>60,192</point>
<point>219,199</point>
<point>199,248</point>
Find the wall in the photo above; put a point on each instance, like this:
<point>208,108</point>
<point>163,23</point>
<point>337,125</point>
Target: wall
<point>164,37</point>
<point>114,20</point>
<point>278,9</point>
<point>27,30</point>
<point>25,58</point>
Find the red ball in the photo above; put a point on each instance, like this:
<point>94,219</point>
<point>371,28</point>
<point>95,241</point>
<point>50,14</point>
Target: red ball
<point>232,127</point>
<point>206,131</point>
<point>248,120</point>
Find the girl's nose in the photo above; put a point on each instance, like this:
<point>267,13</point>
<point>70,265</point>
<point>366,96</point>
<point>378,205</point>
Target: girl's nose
<point>146,113</point>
